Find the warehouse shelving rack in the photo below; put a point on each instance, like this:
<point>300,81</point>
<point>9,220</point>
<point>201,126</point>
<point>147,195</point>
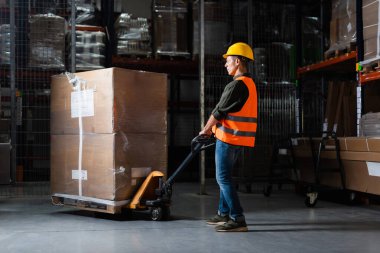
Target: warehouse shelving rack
<point>342,66</point>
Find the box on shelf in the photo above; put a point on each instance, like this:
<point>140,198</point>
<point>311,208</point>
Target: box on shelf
<point>118,100</point>
<point>370,10</point>
<point>342,25</point>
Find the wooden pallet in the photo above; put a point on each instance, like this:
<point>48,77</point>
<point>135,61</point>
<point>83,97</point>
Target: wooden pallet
<point>339,52</point>
<point>371,67</point>
<point>88,205</point>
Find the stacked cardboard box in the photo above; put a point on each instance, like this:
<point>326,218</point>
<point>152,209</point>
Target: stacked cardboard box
<point>47,41</point>
<point>370,30</point>
<point>121,138</point>
<point>360,157</point>
<point>342,25</point>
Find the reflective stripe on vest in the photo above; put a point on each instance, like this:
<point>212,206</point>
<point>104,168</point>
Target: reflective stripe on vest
<point>239,128</point>
<point>241,119</point>
<point>235,132</point>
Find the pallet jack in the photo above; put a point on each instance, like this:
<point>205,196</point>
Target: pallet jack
<point>155,193</point>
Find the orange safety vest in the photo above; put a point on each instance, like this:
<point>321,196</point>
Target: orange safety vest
<point>239,128</point>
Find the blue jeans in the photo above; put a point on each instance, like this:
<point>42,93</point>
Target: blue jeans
<point>225,157</point>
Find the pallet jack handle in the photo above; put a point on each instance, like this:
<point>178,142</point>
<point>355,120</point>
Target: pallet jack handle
<point>199,143</point>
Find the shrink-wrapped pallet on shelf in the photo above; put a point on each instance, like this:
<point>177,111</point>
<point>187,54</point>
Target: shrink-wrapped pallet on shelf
<point>47,41</point>
<point>370,124</point>
<point>5,44</point>
<point>342,27</point>
<point>170,18</point>
<point>90,50</point>
<point>215,23</point>
<point>133,36</point>
<point>86,12</point>
<point>371,32</point>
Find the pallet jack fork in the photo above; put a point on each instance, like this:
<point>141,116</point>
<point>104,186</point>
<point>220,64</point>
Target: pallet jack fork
<point>155,193</point>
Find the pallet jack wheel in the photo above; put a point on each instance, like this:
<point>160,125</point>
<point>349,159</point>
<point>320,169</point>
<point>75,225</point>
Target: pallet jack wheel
<point>311,199</point>
<point>160,213</point>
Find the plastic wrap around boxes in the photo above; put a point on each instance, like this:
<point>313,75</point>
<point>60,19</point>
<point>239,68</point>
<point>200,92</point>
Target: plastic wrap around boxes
<point>215,24</point>
<point>123,138</point>
<point>133,36</point>
<point>170,28</point>
<point>342,25</point>
<point>90,50</point>
<point>370,125</point>
<point>5,44</point>
<point>85,12</point>
<point>371,33</point>
<point>47,41</point>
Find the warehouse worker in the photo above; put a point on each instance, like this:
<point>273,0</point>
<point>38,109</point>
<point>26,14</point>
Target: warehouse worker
<point>233,122</point>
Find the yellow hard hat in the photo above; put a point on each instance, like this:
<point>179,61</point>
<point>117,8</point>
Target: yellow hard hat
<point>240,49</point>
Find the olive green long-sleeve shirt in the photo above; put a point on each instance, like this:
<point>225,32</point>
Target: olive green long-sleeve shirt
<point>233,98</point>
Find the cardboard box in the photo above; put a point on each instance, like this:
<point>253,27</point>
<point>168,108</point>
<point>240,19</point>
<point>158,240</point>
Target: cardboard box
<point>362,167</point>
<point>363,176</point>
<point>115,100</point>
<point>370,13</point>
<point>370,31</point>
<point>360,144</point>
<point>356,175</point>
<point>113,165</point>
<point>354,144</point>
<point>370,48</point>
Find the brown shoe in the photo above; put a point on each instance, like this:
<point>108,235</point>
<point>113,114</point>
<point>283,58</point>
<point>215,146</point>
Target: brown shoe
<point>217,220</point>
<point>232,226</point>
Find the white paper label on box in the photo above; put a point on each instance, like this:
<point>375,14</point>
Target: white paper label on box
<point>82,103</point>
<point>373,169</point>
<point>76,175</point>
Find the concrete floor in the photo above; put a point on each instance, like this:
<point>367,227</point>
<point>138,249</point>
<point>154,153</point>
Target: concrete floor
<point>280,223</point>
